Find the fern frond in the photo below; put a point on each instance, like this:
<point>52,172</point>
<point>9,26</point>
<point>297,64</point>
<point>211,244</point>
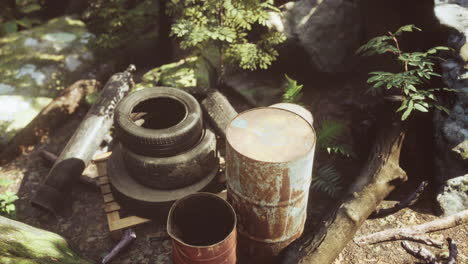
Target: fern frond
<point>326,179</point>
<point>329,132</point>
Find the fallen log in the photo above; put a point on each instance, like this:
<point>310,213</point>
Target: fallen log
<point>21,243</point>
<point>54,114</point>
<point>376,181</point>
<point>416,233</point>
<point>408,201</point>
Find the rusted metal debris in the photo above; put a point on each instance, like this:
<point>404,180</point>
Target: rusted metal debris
<point>203,230</point>
<point>269,158</point>
<point>79,150</point>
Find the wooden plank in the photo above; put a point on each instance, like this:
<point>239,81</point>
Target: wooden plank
<point>108,198</point>
<point>103,180</point>
<point>128,222</point>
<point>105,189</point>
<point>112,206</point>
<point>102,156</point>
<point>101,167</point>
<point>112,217</point>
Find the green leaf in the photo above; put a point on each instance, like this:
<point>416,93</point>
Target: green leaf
<point>420,108</point>
<point>10,26</point>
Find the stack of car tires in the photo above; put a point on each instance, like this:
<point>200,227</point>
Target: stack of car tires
<point>164,153</point>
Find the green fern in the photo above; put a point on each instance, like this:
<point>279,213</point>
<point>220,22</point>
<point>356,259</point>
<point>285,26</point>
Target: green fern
<point>292,91</point>
<point>327,179</point>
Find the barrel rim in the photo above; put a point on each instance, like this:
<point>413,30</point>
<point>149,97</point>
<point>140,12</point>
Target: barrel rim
<point>169,218</point>
<point>314,136</point>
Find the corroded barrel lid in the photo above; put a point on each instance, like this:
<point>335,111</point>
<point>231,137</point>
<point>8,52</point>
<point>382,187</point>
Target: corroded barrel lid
<point>270,135</point>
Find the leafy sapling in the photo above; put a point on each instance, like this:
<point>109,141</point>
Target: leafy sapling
<point>417,71</point>
<point>225,25</point>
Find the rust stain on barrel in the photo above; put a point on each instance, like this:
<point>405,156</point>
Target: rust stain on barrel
<point>269,158</point>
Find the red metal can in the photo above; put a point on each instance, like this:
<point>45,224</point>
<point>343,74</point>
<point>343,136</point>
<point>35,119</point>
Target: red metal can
<point>269,158</point>
<point>203,230</point>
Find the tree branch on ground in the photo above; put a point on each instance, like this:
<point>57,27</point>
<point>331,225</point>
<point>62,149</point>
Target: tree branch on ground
<point>417,232</point>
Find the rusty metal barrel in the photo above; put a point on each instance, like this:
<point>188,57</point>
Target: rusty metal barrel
<point>203,230</point>
<point>269,158</point>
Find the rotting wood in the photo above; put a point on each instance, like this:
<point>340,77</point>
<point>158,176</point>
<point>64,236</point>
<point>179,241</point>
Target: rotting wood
<point>218,111</point>
<point>376,181</point>
<point>417,232</point>
<point>408,201</point>
<point>53,115</point>
<point>420,253</point>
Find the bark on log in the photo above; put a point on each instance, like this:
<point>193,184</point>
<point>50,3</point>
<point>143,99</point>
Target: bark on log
<point>218,111</point>
<point>376,181</point>
<point>21,243</point>
<point>54,114</point>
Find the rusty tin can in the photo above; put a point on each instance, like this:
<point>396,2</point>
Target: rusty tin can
<point>269,158</point>
<point>203,230</point>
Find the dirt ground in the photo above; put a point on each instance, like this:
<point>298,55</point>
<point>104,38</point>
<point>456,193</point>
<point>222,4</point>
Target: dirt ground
<point>84,222</point>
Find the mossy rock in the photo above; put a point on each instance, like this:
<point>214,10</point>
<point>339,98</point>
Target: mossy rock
<point>24,244</point>
<point>35,64</point>
<point>192,74</point>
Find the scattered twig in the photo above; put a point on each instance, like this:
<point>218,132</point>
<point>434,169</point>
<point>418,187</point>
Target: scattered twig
<point>420,253</point>
<point>127,238</point>
<point>453,252</point>
<point>417,232</point>
<point>408,201</point>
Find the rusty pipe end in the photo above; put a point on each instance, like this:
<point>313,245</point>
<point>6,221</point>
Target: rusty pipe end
<point>49,199</point>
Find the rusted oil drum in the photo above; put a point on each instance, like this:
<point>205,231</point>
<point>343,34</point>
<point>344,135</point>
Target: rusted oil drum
<point>295,108</point>
<point>203,230</point>
<point>269,158</point>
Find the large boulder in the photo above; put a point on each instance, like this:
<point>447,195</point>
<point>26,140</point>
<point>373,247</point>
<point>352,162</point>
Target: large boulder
<point>329,31</point>
<point>451,131</point>
<point>35,65</point>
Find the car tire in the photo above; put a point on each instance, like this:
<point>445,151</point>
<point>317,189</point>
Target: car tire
<point>176,171</point>
<point>158,121</point>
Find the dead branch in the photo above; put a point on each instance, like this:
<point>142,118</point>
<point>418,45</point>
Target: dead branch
<point>127,238</point>
<point>415,233</point>
<point>376,181</point>
<point>420,253</point>
<point>54,114</point>
<point>408,201</point>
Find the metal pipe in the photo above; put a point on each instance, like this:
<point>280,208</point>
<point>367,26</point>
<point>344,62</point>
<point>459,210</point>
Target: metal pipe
<point>269,158</point>
<point>76,155</point>
<point>203,230</point>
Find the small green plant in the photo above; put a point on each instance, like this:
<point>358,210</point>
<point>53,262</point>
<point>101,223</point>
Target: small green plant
<point>292,91</point>
<point>417,69</point>
<point>17,15</point>
<point>7,207</point>
<point>226,24</point>
<point>329,141</point>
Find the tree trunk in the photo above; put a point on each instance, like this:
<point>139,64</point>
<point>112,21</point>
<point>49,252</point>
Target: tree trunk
<point>21,243</point>
<point>376,181</point>
<point>54,114</point>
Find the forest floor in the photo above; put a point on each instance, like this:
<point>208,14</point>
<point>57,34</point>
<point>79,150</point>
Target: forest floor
<point>84,222</point>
